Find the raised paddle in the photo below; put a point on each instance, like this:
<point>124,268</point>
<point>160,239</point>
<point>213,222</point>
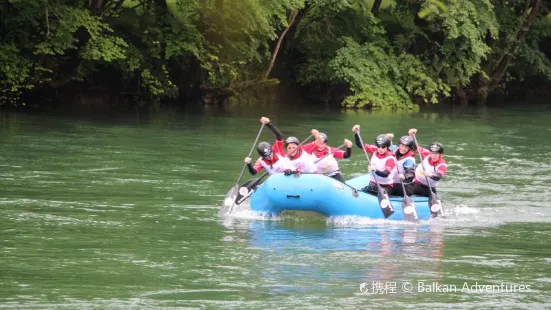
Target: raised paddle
<point>231,196</point>
<point>384,201</point>
<point>435,205</point>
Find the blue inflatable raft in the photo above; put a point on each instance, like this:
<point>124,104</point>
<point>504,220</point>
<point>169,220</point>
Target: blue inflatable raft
<point>324,195</point>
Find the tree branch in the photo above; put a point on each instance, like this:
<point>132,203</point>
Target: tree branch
<point>531,8</point>
<point>278,45</point>
<point>47,20</point>
<point>375,7</point>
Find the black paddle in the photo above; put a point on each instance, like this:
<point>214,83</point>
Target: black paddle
<point>408,207</point>
<point>384,201</point>
<point>248,188</point>
<point>435,205</point>
<point>231,196</point>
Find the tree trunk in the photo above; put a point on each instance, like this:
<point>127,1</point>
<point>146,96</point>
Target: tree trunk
<point>293,29</point>
<point>496,65</point>
<point>375,7</point>
<point>482,91</point>
<point>96,7</point>
<point>278,45</point>
<point>461,96</point>
<point>531,8</point>
<point>161,4</point>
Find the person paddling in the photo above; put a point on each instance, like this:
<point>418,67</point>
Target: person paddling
<point>270,156</point>
<point>431,170</point>
<point>299,161</point>
<point>328,165</point>
<point>405,165</point>
<point>383,163</point>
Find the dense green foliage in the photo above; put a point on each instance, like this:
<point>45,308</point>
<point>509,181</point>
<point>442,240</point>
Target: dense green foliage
<point>378,54</point>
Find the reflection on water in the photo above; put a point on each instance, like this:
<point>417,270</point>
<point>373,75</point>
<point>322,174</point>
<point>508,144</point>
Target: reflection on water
<point>395,263</point>
<point>292,254</point>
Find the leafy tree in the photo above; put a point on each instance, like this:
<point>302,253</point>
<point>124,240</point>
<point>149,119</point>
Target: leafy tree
<point>347,44</point>
<point>483,40</point>
<point>368,53</point>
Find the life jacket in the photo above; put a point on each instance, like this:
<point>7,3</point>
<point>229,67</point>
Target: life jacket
<point>328,165</point>
<point>380,164</point>
<point>431,168</point>
<point>303,162</point>
<point>276,165</point>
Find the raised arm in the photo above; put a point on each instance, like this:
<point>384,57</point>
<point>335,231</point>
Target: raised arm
<point>348,145</point>
<point>356,130</point>
<point>274,129</point>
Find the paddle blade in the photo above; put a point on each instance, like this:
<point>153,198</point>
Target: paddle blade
<point>435,206</point>
<point>247,189</point>
<point>384,203</point>
<point>244,191</point>
<point>229,200</point>
<point>408,207</point>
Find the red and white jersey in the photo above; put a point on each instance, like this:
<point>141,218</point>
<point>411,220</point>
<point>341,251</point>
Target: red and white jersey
<point>328,165</point>
<point>276,165</point>
<point>382,162</point>
<point>278,148</point>
<point>439,167</point>
<point>278,161</point>
<point>314,149</point>
<point>302,162</point>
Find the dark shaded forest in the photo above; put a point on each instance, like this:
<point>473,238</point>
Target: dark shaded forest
<point>354,53</point>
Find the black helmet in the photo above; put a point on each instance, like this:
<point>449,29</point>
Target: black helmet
<point>292,140</point>
<point>382,140</point>
<point>264,149</point>
<point>323,136</point>
<point>407,141</point>
<point>436,147</point>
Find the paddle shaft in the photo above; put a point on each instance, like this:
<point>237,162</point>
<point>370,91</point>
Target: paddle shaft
<point>401,181</point>
<point>250,153</point>
<point>406,200</point>
<point>433,196</point>
<point>328,153</point>
<point>245,165</point>
<point>396,158</point>
<point>304,141</point>
<point>381,193</point>
<point>251,186</point>
<point>423,164</point>
<point>369,162</point>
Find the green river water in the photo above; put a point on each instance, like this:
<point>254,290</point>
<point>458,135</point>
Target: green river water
<point>121,212</point>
